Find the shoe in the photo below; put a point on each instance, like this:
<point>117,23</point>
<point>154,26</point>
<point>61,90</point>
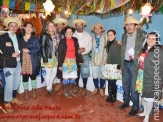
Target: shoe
<point>84,92</point>
<point>71,86</point>
<point>59,85</point>
<point>26,97</point>
<point>8,107</point>
<point>16,101</point>
<point>124,105</point>
<point>108,99</point>
<point>76,89</point>
<point>102,92</point>
<point>95,91</point>
<point>65,91</point>
<point>51,92</point>
<point>132,112</point>
<point>34,95</point>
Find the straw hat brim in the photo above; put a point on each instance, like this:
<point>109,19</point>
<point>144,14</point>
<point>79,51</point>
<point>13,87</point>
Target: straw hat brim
<point>130,20</point>
<point>11,19</point>
<point>97,24</point>
<point>78,21</point>
<point>60,20</point>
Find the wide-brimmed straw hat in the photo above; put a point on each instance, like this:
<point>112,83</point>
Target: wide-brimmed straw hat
<point>97,24</point>
<point>60,20</point>
<point>78,21</point>
<point>11,19</point>
<point>131,20</point>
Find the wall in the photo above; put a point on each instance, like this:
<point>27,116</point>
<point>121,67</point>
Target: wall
<point>116,21</point>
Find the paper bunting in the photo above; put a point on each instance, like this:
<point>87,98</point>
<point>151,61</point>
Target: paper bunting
<point>47,13</point>
<point>32,7</point>
<point>17,4</point>
<point>6,2</point>
<point>1,3</point>
<point>12,4</point>
<point>27,6</point>
<point>33,15</point>
<point>37,8</point>
<point>22,5</point>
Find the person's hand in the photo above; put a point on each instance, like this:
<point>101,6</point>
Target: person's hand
<point>16,55</point>
<point>119,42</point>
<point>25,50</point>
<point>118,70</point>
<point>81,50</point>
<point>60,68</point>
<point>80,64</point>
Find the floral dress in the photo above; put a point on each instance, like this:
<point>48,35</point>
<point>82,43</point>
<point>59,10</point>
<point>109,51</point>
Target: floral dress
<point>139,81</point>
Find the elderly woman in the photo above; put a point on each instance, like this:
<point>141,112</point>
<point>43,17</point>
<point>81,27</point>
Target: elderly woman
<point>68,58</point>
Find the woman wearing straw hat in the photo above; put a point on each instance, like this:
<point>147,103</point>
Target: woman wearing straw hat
<point>10,46</point>
<point>99,57</point>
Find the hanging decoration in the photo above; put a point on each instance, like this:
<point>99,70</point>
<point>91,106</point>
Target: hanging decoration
<point>12,4</point>
<point>48,6</point>
<point>27,6</point>
<point>5,10</point>
<point>6,2</point>
<point>146,12</point>
<point>17,4</point>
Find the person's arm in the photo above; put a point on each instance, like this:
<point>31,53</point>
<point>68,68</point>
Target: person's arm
<point>105,56</point>
<point>36,47</point>
<point>43,44</point>
<point>89,45</point>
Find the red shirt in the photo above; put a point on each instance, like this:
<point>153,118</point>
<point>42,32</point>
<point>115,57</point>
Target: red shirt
<point>70,48</point>
<point>141,60</point>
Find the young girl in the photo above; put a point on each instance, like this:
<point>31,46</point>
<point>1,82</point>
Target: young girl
<point>146,82</point>
<point>30,58</point>
<point>68,57</point>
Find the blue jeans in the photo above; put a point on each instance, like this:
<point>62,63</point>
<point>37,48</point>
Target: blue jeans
<point>12,78</point>
<point>2,78</point>
<point>129,82</point>
<point>85,69</point>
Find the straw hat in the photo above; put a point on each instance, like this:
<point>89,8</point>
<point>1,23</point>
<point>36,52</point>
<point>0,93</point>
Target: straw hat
<point>97,24</point>
<point>60,20</point>
<point>2,19</point>
<point>11,19</point>
<point>131,20</point>
<point>78,21</point>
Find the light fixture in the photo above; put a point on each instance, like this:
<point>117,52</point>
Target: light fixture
<point>48,6</point>
<point>66,12</point>
<point>130,12</point>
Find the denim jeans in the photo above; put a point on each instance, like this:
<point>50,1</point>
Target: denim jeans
<point>97,71</point>
<point>2,78</point>
<point>85,69</point>
<point>129,82</point>
<point>12,78</point>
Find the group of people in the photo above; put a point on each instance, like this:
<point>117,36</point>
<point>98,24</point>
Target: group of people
<point>64,53</point>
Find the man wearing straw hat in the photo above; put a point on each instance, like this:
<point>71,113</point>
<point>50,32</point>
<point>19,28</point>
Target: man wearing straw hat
<point>132,42</point>
<point>10,46</point>
<point>60,24</point>
<point>85,44</point>
<point>99,57</point>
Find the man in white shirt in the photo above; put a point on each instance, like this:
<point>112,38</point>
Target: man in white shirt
<point>85,44</point>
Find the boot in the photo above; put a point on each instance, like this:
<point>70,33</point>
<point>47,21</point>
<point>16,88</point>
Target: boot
<point>26,97</point>
<point>34,95</point>
<point>101,92</point>
<point>84,92</point>
<point>71,86</point>
<point>114,96</point>
<point>109,96</point>
<point>58,86</point>
<point>8,107</point>
<point>16,101</point>
<point>95,91</point>
<point>76,89</point>
<point>65,93</point>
